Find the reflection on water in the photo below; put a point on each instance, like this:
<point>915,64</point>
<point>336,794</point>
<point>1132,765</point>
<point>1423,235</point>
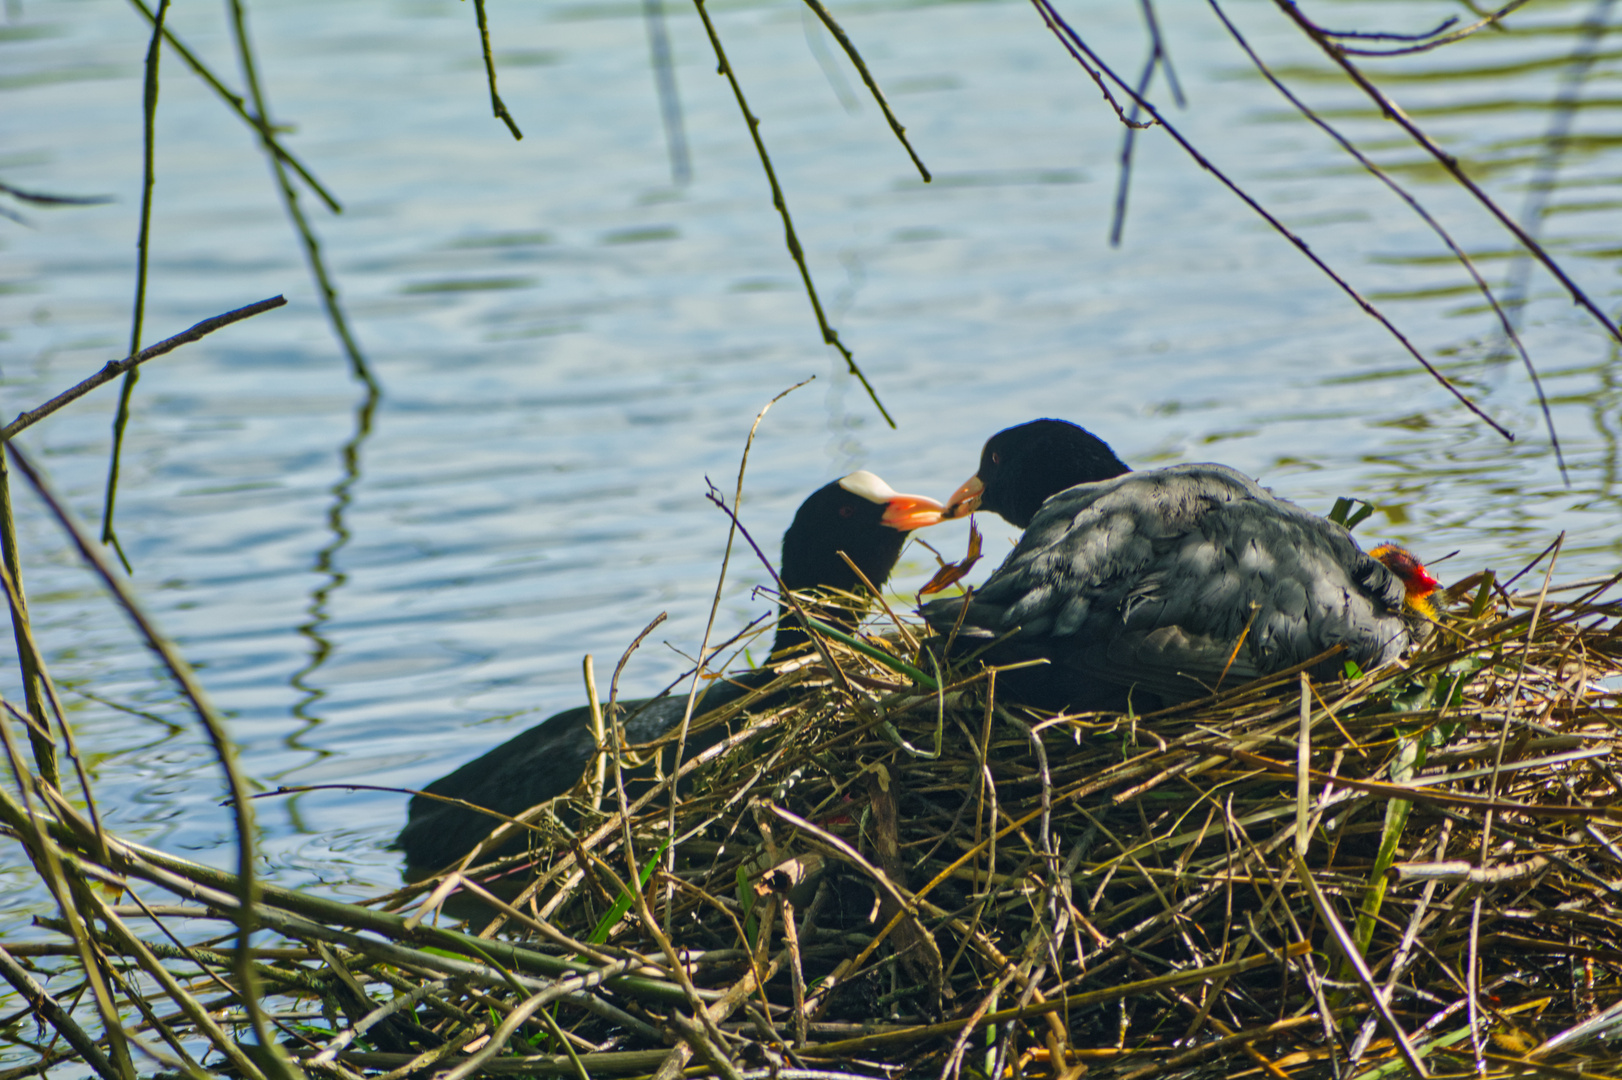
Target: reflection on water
<point>379,587</point>
<point>326,563</point>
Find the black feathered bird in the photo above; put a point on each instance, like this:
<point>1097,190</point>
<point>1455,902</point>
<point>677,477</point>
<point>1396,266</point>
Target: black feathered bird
<point>1155,587</point>
<point>860,515</point>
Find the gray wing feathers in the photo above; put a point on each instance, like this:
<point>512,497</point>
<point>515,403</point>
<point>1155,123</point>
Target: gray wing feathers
<point>1153,577</point>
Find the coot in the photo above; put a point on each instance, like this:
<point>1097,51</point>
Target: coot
<point>1150,588</point>
<point>860,515</point>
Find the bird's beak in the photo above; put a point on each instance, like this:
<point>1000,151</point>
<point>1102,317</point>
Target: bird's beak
<point>908,512</point>
<point>966,499</point>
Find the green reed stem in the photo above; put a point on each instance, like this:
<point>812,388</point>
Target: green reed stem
<point>52,1012</point>
<point>224,752</point>
<point>312,246</point>
<point>830,336</point>
<point>264,129</point>
<point>849,46</point>
<point>496,104</point>
<point>33,828</point>
<point>28,661</point>
<point>149,115</point>
<point>891,662</point>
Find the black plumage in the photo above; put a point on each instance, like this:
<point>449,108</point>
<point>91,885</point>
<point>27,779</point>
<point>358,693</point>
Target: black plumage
<point>858,514</point>
<point>1150,588</point>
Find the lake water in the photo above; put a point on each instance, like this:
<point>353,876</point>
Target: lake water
<point>568,342</point>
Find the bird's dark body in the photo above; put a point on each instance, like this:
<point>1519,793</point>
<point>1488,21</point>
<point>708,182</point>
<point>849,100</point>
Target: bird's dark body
<point>1157,587</point>
<point>854,515</point>
<point>547,760</point>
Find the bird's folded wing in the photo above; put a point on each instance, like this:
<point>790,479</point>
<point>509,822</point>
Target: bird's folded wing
<point>1181,579</point>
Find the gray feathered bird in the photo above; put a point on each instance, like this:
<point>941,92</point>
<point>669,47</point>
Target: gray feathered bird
<point>1155,587</point>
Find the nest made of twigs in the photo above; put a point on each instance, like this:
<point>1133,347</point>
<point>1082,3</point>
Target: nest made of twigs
<point>1413,868</point>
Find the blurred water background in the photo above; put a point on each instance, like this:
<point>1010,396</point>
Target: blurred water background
<point>568,341</point>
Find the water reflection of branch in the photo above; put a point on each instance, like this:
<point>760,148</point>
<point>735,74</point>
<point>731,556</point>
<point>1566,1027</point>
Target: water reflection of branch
<point>1393,112</point>
<point>40,198</point>
<point>317,614</point>
<point>1604,405</point>
<point>1158,57</point>
<point>171,728</point>
<point>825,60</point>
<point>1083,54</point>
<point>1555,141</point>
<point>1505,321</point>
<point>664,81</point>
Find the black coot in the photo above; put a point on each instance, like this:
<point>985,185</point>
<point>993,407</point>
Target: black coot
<point>860,515</point>
<point>1150,588</point>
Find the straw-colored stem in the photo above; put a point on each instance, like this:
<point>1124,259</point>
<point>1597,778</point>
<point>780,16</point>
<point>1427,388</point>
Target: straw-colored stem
<point>213,726</point>
<point>52,1012</point>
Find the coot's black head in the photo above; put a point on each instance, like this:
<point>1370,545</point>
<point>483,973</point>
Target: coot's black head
<point>860,515</point>
<point>1022,467</point>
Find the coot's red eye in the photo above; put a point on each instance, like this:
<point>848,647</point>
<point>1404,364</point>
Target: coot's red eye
<point>846,511</point>
<point>996,458</point>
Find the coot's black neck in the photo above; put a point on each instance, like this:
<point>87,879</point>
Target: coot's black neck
<point>821,570</point>
<point>859,516</point>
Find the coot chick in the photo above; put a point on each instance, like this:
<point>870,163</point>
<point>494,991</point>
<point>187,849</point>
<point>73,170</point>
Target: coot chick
<point>860,515</point>
<point>1146,589</point>
<point>1418,583</point>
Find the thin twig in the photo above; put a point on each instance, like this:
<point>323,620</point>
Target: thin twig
<point>830,336</point>
<point>497,106</point>
<point>849,46</point>
<point>1431,39</point>
<point>1391,111</point>
<point>785,594</point>
<point>240,107</point>
<point>149,116</point>
<point>114,368</point>
<point>1505,322</point>
<point>1084,55</point>
<point>715,603</point>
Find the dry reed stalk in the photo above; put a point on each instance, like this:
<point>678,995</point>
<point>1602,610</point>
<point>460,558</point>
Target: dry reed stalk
<point>1288,873</point>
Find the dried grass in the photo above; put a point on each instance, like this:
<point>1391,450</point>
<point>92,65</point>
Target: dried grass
<point>1411,870</point>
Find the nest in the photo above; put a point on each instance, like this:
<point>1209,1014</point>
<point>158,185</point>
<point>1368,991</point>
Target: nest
<point>1416,869</point>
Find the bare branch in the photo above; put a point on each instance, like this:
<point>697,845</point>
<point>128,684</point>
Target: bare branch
<point>115,368</point>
